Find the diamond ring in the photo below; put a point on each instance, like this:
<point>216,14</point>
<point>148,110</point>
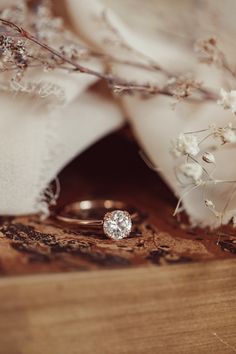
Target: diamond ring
<point>113,217</point>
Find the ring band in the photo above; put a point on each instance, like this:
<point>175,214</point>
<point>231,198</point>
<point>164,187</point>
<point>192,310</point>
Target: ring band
<point>114,217</point>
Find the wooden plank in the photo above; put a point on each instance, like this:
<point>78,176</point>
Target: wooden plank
<point>176,309</point>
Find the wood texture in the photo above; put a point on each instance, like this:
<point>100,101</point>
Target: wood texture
<point>166,310</point>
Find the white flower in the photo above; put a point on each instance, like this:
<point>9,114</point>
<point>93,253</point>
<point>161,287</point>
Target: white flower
<point>226,134</point>
<point>192,170</point>
<point>209,204</point>
<point>228,100</point>
<point>185,144</point>
<point>208,157</point>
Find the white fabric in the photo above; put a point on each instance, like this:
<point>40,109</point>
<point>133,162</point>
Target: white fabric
<point>36,143</point>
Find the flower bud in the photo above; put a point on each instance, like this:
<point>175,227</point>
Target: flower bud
<point>208,157</point>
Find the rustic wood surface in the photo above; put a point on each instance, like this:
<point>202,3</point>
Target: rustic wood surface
<point>111,169</point>
<point>167,310</point>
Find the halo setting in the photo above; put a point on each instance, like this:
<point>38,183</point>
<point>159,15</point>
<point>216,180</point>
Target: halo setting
<point>117,224</point>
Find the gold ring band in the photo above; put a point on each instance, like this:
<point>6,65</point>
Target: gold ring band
<point>115,217</point>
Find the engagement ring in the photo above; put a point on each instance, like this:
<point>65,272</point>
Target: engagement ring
<point>113,217</point>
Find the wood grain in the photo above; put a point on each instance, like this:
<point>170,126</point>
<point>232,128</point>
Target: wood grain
<point>177,309</point>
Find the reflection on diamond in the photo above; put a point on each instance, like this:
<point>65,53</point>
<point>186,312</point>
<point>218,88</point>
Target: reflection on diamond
<point>117,224</point>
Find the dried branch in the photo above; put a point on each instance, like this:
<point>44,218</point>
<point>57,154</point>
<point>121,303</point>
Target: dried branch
<point>23,33</point>
<point>210,53</point>
<point>118,85</point>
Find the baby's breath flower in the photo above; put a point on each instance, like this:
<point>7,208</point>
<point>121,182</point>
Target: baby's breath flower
<point>208,157</point>
<point>185,144</point>
<point>207,51</point>
<point>228,100</point>
<point>182,86</point>
<point>192,170</point>
<point>229,136</point>
<point>226,134</point>
<point>209,204</point>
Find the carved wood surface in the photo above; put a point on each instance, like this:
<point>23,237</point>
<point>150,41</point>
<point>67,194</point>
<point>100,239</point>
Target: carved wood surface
<point>111,169</point>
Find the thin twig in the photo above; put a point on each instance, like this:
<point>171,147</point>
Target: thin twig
<point>115,83</point>
<point>224,342</point>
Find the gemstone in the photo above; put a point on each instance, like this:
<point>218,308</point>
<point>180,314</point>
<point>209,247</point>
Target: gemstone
<point>117,224</point>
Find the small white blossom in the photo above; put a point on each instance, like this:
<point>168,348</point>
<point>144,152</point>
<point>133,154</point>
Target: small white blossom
<point>208,157</point>
<point>228,100</point>
<point>185,144</point>
<point>226,134</point>
<point>192,170</point>
<point>209,204</point>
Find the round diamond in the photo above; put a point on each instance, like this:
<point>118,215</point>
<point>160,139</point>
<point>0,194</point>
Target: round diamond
<point>117,224</point>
